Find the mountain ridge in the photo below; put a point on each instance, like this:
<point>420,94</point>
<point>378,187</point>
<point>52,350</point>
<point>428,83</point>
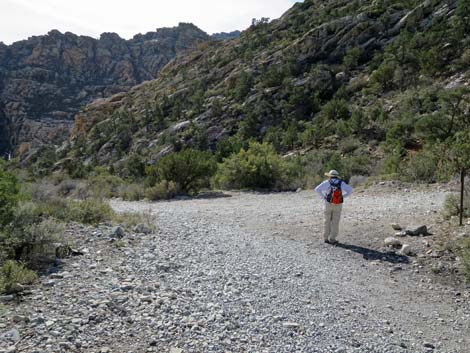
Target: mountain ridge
<point>45,80</point>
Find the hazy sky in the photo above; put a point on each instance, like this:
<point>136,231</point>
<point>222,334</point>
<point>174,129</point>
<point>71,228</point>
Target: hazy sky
<point>20,19</point>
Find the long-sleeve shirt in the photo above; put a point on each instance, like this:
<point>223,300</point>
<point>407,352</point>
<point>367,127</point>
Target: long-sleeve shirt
<point>324,188</point>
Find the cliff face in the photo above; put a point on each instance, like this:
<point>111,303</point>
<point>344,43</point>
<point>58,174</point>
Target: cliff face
<point>45,80</point>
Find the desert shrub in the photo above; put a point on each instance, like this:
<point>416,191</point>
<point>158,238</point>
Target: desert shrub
<point>67,187</point>
<point>132,192</point>
<point>383,76</point>
<point>29,237</point>
<point>355,165</point>
<point>58,208</point>
<point>228,146</point>
<point>13,274</point>
<point>9,191</point>
<point>392,162</point>
<point>132,219</point>
<point>298,175</point>
<point>41,190</point>
<point>164,190</point>
<point>134,167</point>
<point>421,167</point>
<point>357,180</point>
<point>104,186</point>
<point>464,252</point>
<point>257,167</point>
<point>88,211</point>
<point>451,206</point>
<point>191,170</point>
<point>466,263</point>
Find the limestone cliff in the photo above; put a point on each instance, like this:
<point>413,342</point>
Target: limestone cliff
<point>45,80</point>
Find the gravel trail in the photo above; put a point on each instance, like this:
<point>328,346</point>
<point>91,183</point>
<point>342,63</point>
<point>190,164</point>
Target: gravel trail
<point>250,273</point>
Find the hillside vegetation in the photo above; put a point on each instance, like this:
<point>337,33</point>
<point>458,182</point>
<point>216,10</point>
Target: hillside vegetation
<point>367,87</point>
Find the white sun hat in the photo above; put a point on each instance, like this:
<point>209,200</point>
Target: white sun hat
<point>332,174</point>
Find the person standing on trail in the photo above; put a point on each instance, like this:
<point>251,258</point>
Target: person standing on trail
<point>333,191</point>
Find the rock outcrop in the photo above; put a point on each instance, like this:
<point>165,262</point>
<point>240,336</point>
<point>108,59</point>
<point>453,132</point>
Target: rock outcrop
<point>45,80</point>
<point>226,35</point>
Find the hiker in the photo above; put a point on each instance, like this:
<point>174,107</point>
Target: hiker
<point>333,191</point>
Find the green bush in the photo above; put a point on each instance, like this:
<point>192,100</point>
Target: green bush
<point>9,190</point>
<point>13,274</point>
<point>257,167</point>
<point>191,170</point>
<point>299,175</point>
<point>90,212</point>
<point>421,167</point>
<point>164,190</point>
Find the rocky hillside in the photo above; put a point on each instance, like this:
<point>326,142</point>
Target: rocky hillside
<point>225,35</point>
<point>340,75</point>
<point>45,80</point>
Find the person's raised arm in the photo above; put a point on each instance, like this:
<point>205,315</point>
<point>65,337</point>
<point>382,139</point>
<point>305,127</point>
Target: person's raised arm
<point>346,189</point>
<point>322,189</point>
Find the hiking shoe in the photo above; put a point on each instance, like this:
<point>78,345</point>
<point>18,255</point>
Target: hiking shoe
<point>334,242</point>
<point>327,241</point>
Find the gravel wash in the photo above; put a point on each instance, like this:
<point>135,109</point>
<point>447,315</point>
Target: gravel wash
<point>246,273</point>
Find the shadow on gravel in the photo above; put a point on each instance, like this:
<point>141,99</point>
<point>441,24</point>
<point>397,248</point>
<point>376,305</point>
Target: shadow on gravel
<point>370,254</point>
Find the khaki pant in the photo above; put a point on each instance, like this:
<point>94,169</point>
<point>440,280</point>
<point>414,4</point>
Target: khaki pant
<point>332,217</point>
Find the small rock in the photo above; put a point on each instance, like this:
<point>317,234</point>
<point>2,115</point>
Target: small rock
<point>291,324</point>
<point>406,250</point>
<point>117,232</point>
<point>50,283</point>
<point>429,345</point>
<point>7,298</point>
<point>20,318</point>
<point>11,335</point>
<point>143,229</point>
<point>418,230</point>
<point>392,242</point>
<point>396,226</point>
<point>176,350</point>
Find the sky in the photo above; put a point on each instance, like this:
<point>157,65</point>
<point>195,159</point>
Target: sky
<point>20,19</point>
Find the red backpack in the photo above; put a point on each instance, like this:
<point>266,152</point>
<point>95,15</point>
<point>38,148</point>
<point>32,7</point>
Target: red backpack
<point>335,195</point>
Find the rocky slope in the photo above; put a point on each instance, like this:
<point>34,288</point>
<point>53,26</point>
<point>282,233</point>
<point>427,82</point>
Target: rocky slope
<point>325,71</point>
<point>249,273</point>
<point>45,80</point>
<point>226,35</point>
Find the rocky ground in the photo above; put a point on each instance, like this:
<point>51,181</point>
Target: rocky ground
<point>248,273</point>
